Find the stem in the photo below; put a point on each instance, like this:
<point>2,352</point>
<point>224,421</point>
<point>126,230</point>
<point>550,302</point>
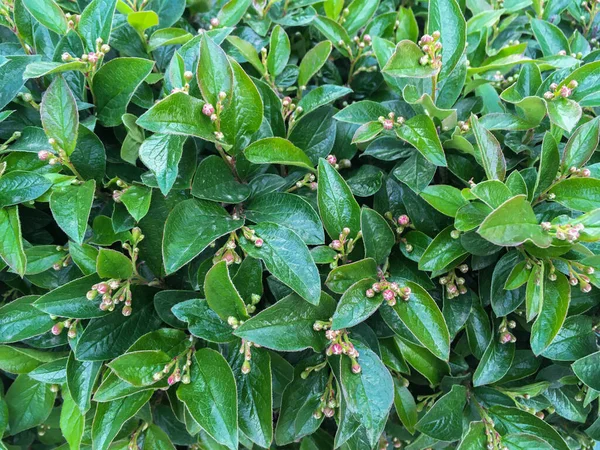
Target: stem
<point>433,87</point>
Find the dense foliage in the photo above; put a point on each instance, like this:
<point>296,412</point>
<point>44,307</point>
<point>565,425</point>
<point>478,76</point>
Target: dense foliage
<point>304,224</point>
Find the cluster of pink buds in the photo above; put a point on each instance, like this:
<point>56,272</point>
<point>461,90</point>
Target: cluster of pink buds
<point>339,343</point>
<point>505,335</point>
<point>290,110</point>
<point>69,324</point>
<point>116,194</point>
<point>391,121</point>
<point>177,374</point>
<point>227,253</point>
<point>91,58</point>
<point>566,232</point>
<point>110,299</point>
<point>389,291</point>
<point>563,91</point>
<point>246,350</point>
<point>57,156</point>
<point>327,403</point>
<point>342,164</point>
<point>431,46</point>
<point>575,172</point>
<point>252,237</point>
<point>308,180</point>
<point>578,275</point>
<point>343,245</point>
<point>455,285</point>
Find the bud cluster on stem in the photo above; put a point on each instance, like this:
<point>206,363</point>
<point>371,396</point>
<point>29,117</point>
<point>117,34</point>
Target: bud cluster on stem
<point>177,373</point>
<point>563,232</point>
<point>391,121</point>
<point>69,324</point>
<point>431,46</point>
<point>579,275</point>
<point>250,235</point>
<point>113,292</point>
<point>246,350</point>
<point>389,291</point>
<point>309,180</point>
<point>455,284</point>
<point>93,59</point>
<point>344,246</point>
<point>227,253</point>
<point>505,336</point>
<point>328,401</point>
<point>560,90</point>
<point>339,343</point>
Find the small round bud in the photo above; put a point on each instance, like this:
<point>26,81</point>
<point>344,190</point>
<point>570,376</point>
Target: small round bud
<point>127,310</point>
<point>388,124</point>
<point>356,368</point>
<point>188,75</point>
<point>258,242</point>
<point>222,95</point>
<point>403,220</point>
<point>436,34</point>
<point>246,367</point>
<point>331,159</point>
<point>548,95</point>
<point>370,293</point>
<point>208,109</point>
<point>328,412</point>
<point>66,57</point>
<point>54,387</point>
<point>455,234</point>
<point>214,22</point>
<point>585,172</point>
<point>43,155</point>
<point>336,245</point>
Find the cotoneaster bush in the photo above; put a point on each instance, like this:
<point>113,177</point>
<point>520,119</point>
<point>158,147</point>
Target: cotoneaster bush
<point>299,224</point>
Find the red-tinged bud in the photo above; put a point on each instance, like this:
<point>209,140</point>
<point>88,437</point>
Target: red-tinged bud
<point>188,75</point>
<point>286,101</point>
<point>336,349</point>
<point>388,124</point>
<point>389,295</point>
<point>208,109</point>
<point>336,244</point>
<point>102,288</point>
<point>356,368</point>
<point>376,287</point>
<point>370,293</point>
<point>403,220</point>
<point>586,287</point>
<point>43,155</point>
<point>505,338</point>
<point>313,186</point>
<point>585,173</point>
<point>171,380</point>
<point>72,333</point>
<point>328,412</point>
<point>331,159</point>
<point>214,22</point>
<point>92,57</point>
<point>259,242</point>
<point>573,281</point>
<point>127,310</point>
<point>57,328</point>
<point>103,306</point>
<point>330,334</point>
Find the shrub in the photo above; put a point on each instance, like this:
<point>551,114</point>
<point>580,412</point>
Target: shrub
<point>299,224</point>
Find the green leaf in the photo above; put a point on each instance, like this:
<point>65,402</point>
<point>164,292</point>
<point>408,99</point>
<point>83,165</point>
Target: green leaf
<point>423,318</point>
<point>581,194</point>
<point>288,324</point>
<point>334,32</point>
<point>59,115</point>
<point>255,396</point>
<point>71,206</point>
<point>492,192</point>
<point>286,256</point>
<point>276,150</point>
<point>19,186</point>
<point>142,20</point>
<point>214,72</point>
<point>70,299</point>
<point>19,320</point>
<point>312,62</point>
<point>161,154</point>
<point>215,181</point>
<point>205,221</point>
<point>378,237</point>
<point>72,421</point>
<point>556,298</point>
<point>420,132</point>
<point>446,17</point>
<point>513,420</point>
<point>113,264</point>
<point>344,276</point>
<point>587,370</point>
<point>354,307</point>
<point>168,36</point>
<point>444,420</point>
<point>202,321</point>
<point>405,405</point>
<point>81,379</point>
<point>211,397</point>
<point>513,223</point>
<point>549,37</point>
<point>221,295</point>
<point>359,13</point>
<point>404,62</point>
<point>279,51</point>
<point>582,144</point>
<point>369,394</point>
<point>442,251</point>
<point>114,85</point>
<point>111,416</point>
<point>49,14</point>
<point>575,340</point>
<point>232,12</point>
<point>137,199</point>
<point>289,210</point>
<point>11,245</point>
<point>29,403</point>
<point>489,151</point>
<point>337,205</point>
<point>178,113</point>
<point>95,22</point>
<point>549,163</point>
<point>157,439</point>
<point>495,362</point>
<point>446,199</point>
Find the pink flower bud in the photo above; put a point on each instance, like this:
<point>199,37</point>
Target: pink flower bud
<point>92,57</point>
<point>331,159</point>
<point>336,244</point>
<point>330,334</point>
<point>336,349</point>
<point>171,380</point>
<point>388,124</point>
<point>127,310</point>
<point>43,155</point>
<point>102,288</point>
<point>57,329</point>
<point>208,109</point>
<point>389,295</point>
<point>565,91</point>
<point>370,293</point>
<point>403,220</point>
<point>328,412</point>
<point>585,173</point>
<point>214,22</point>
<point>258,242</point>
<point>355,367</point>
